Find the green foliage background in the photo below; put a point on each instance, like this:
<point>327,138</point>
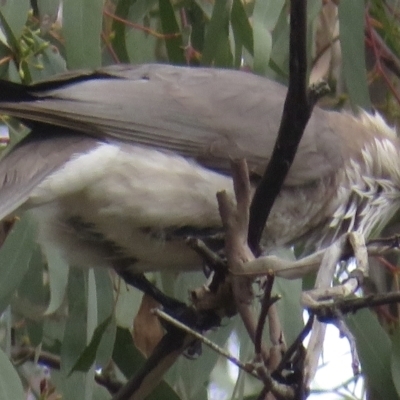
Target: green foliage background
<point>75,314</point>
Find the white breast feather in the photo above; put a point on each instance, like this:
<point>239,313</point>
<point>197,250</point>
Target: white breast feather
<point>154,187</point>
<point>125,192</point>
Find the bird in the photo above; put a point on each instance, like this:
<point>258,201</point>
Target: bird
<point>123,163</point>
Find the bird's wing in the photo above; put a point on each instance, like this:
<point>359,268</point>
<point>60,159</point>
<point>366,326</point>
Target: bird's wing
<point>32,160</point>
<point>209,115</point>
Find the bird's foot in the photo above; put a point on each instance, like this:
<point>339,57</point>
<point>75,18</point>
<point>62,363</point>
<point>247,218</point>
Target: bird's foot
<point>187,315</point>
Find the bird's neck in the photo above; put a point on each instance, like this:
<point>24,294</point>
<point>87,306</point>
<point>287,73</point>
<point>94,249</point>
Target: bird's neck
<point>369,194</point>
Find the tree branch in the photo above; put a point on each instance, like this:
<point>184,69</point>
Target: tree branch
<point>296,113</point>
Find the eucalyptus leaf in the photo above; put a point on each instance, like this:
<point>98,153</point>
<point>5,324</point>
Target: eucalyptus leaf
<point>140,45</point>
<point>351,28</point>
<point>131,11</point>
<point>58,276</point>
<point>140,8</point>
<point>374,349</point>
<point>289,307</point>
<point>217,32</point>
<point>88,356</point>
<point>118,38</point>
<point>105,309</point>
<point>46,61</point>
<point>396,360</point>
<point>74,340</point>
<point>16,14</point>
<point>10,383</point>
<point>170,27</point>
<point>48,13</point>
<point>181,373</point>
<point>265,17</point>
<point>206,6</point>
<point>32,296</point>
<point>82,26</point>
<point>7,35</point>
<point>241,25</point>
<point>127,305</point>
<point>129,360</point>
<point>15,255</point>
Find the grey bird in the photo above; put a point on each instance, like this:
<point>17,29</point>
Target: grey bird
<point>122,163</point>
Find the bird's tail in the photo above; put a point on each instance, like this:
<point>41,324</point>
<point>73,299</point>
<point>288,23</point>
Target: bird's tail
<point>14,92</point>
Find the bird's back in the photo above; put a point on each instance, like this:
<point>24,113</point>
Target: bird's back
<point>123,162</point>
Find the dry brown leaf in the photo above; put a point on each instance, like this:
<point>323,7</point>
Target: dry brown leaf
<point>147,329</point>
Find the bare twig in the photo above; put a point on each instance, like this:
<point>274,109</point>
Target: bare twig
<point>245,367</point>
<point>327,312</point>
<point>296,344</point>
<point>141,27</point>
<point>110,49</point>
<point>266,303</point>
<point>235,220</point>
<point>377,49</point>
<point>276,336</point>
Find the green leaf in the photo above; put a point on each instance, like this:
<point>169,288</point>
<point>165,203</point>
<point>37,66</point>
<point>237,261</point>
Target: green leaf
<point>74,340</point>
<point>396,360</point>
<point>58,276</point>
<point>10,384</point>
<point>88,356</point>
<point>238,56</point>
<point>289,309</point>
<point>105,308</point>
<point>31,296</point>
<point>125,354</point>
<point>374,349</point>
<point>4,53</point>
<point>48,8</point>
<point>196,31</point>
<point>224,57</point>
<point>82,25</point>
<point>10,38</point>
<point>16,14</point>
<point>53,334</point>
<point>140,8</point>
<point>118,39</point>
<point>45,62</point>
<point>265,17</point>
<point>130,10</point>
<point>100,393</point>
<point>127,305</point>
<point>262,49</point>
<point>192,385</point>
<point>15,255</point>
<point>31,286</point>
<point>129,360</point>
<point>217,40</point>
<point>170,26</point>
<point>351,28</point>
<point>279,61</point>
<point>141,46</point>
<point>48,13</point>
<point>241,25</point>
<point>206,6</point>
